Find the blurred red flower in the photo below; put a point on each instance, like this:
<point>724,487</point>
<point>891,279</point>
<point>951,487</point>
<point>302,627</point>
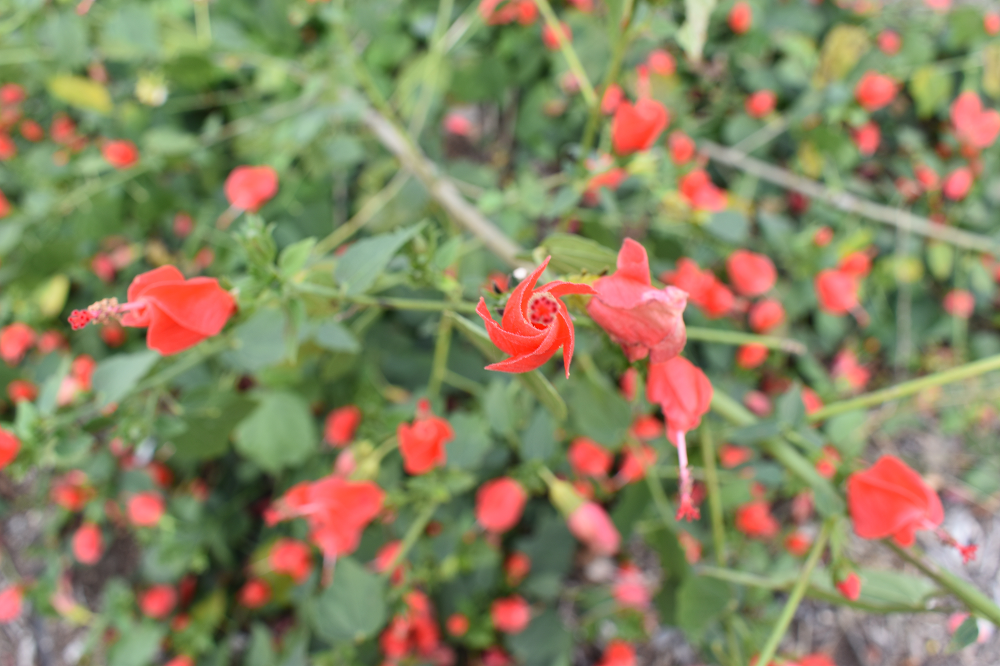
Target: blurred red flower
<point>499,504</point>
<point>248,187</point>
<point>340,424</point>
<point>637,127</point>
<point>511,614</point>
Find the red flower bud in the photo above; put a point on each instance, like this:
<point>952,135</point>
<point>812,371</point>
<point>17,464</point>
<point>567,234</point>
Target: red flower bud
<point>740,18</point>
<point>588,458</point>
<point>292,558</point>
<point>760,103</point>
<point>731,455</point>
<point>120,154</point>
<point>754,519</point>
<point>553,38</point>
<point>158,601</point>
<point>867,137</point>
<point>145,509</point>
<point>661,62</point>
<point>591,525</point>
<point>340,425</point>
<point>991,23</point>
<point>837,291</point>
<point>15,341</point>
<point>751,356</point>
<point>516,567</point>
<point>10,445</point>
<point>635,463</point>
<point>254,594</point>
<point>850,587</point>
<point>959,303</point>
<point>973,125</point>
<point>11,602</point>
<point>32,131</point>
<point>751,274</point>
<point>510,615</point>
<point>499,504</point>
<point>422,443</point>
<point>875,91</point>
<point>957,184</point>
<point>248,188</point>
<point>700,193</point>
<point>637,127</point>
<point>889,42</point>
<point>612,99</point>
<point>766,315</point>
<point>88,544</point>
<point>682,147</point>
<point>457,624</point>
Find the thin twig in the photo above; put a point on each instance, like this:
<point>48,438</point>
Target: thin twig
<point>368,211</point>
<point>848,202</point>
<point>442,189</point>
<point>572,59</point>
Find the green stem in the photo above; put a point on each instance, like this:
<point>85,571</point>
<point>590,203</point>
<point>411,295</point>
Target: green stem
<point>911,387</point>
<point>416,304</point>
<point>441,348</point>
<point>410,539</point>
<point>566,46</point>
<point>182,365</point>
<point>814,592</point>
<point>366,214</point>
<point>203,22</point>
<point>969,594</point>
<point>738,338</point>
<point>788,612</point>
<point>610,77</point>
<point>432,68</point>
<point>714,498</point>
<point>660,499</point>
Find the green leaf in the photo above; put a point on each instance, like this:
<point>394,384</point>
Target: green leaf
<point>209,427</point>
<point>353,607</point>
<point>931,89</point>
<point>363,262</point>
<point>602,415</point>
<point>81,92</point>
<point>333,335</point>
<point>700,602</point>
<point>632,503</point>
<point>729,225</point>
<point>966,634</point>
<point>137,646</point>
<point>260,651</point>
<point>790,409</point>
<point>539,439</point>
<point>169,141</point>
<point>294,257</point>
<point>543,642</point>
<point>280,433</point>
<point>130,34</point>
<point>576,254</point>
<point>260,341</point>
<point>472,441</point>
<point>115,377</point>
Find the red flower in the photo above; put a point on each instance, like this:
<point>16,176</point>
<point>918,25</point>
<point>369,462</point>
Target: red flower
<point>88,544</point>
<point>179,313</point>
<point>661,62</point>
<point>889,499</point>
<point>523,11</point>
<point>684,394</point>
<point>32,131</point>
<point>158,601</point>
<point>760,103</point>
<point>145,509</point>
<point>991,23</point>
<point>751,356</point>
<point>618,653</point>
<point>751,274</point>
<point>609,179</point>
<point>248,188</point>
<point>740,18</point>
<point>858,264</point>
<point>647,427</point>
<point>828,462</point>
<point>588,458</point>
<point>758,403</point>
<point>754,519</point>
<point>846,370</point>
<point>422,442</point>
<point>457,624</point>
<point>516,567</point>
<point>457,124</point>
<point>681,146</point>
<point>630,589</point>
<point>499,504</point>
<point>703,288</point>
<point>341,424</point>
<point>959,303</point>
<point>850,587</point>
<point>120,154</point>
<point>535,323</point>
<point>337,511</point>
<point>15,341</point>
<point>21,390</point>
<point>927,177</point>
<point>635,463</point>
<point>10,445</point>
<point>638,127</point>
<point>700,193</point>
<point>12,94</point>
<point>590,524</point>
<point>613,97</point>
<point>72,491</point>
<point>254,594</point>
<point>765,315</point>
<point>8,149</point>
<point>4,206</point>
<point>511,614</point>
<point>553,38</point>
<point>889,42</point>
<point>645,321</point>
<point>291,557</point>
<point>11,601</point>
<point>731,455</point>
<point>811,400</point>
<point>867,137</point>
<point>797,544</point>
<point>817,659</point>
<point>974,126</point>
<point>837,291</point>
<point>875,91</point>
<point>957,184</point>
